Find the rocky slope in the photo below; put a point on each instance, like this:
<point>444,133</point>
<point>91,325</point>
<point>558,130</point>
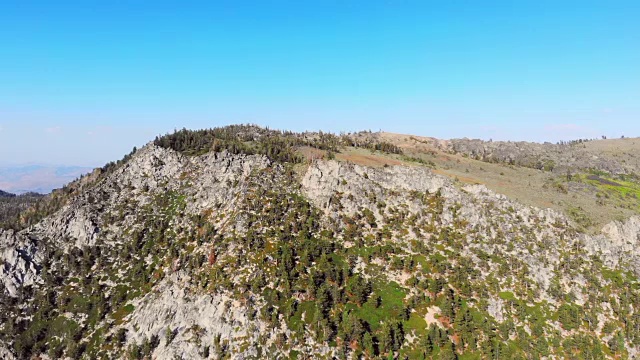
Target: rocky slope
<point>240,253</point>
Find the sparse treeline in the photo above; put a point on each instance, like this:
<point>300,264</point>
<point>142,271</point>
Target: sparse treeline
<point>251,139</point>
<point>12,205</point>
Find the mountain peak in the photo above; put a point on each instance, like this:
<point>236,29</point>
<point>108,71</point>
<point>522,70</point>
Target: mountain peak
<point>249,242</point>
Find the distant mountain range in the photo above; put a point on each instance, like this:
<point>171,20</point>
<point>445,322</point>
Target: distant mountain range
<point>42,179</point>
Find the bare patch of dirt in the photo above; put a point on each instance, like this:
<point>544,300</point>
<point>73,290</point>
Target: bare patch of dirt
<point>430,317</point>
<point>368,160</point>
<point>311,153</point>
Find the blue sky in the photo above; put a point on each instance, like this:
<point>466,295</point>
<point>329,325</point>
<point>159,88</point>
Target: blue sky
<point>82,82</point>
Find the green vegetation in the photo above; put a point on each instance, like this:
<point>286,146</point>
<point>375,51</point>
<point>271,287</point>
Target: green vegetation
<point>623,191</point>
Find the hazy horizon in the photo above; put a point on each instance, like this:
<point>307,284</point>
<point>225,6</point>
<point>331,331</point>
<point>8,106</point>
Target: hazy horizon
<point>8,163</point>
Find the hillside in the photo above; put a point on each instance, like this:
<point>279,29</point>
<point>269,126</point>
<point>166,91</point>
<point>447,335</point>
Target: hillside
<point>242,242</point>
<point>11,205</point>
<point>593,182</point>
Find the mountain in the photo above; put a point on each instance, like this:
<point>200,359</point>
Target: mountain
<point>243,242</point>
<point>4,194</point>
<point>20,179</point>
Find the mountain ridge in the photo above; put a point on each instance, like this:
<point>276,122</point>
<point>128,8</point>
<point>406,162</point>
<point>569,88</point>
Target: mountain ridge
<point>357,253</point>
<point>6,194</point>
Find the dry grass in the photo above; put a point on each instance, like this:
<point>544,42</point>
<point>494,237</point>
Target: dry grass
<point>525,185</point>
<point>311,153</point>
<point>367,158</point>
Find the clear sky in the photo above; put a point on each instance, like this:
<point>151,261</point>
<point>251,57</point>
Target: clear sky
<point>82,82</point>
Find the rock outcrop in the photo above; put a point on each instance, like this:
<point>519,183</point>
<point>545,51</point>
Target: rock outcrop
<point>20,261</point>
